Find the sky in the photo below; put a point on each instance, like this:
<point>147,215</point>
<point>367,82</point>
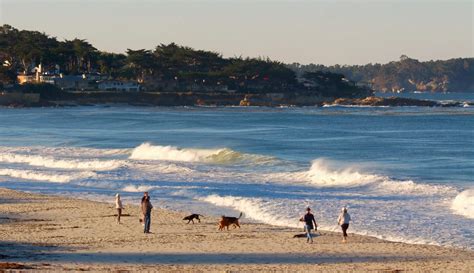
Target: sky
<point>322,32</point>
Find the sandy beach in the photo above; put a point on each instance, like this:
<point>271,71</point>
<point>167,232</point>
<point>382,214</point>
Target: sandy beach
<point>40,232</point>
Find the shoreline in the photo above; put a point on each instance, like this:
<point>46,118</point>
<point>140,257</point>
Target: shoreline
<point>55,233</point>
<point>193,99</point>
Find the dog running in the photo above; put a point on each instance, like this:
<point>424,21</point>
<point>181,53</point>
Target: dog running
<point>191,218</point>
<point>226,221</point>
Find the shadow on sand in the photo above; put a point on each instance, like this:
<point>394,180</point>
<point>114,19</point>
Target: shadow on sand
<point>210,258</point>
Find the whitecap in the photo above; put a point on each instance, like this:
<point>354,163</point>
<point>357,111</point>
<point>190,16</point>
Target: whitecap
<point>147,151</point>
<point>463,204</point>
<point>51,162</point>
<point>45,176</point>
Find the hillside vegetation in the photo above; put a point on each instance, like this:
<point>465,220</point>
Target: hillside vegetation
<point>406,75</point>
<point>166,68</point>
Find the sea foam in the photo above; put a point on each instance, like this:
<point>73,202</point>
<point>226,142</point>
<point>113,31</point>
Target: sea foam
<point>286,213</point>
<point>45,176</point>
<point>51,162</point>
<point>138,188</point>
<point>463,204</point>
<point>254,208</point>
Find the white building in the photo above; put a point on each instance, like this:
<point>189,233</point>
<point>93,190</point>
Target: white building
<point>119,86</point>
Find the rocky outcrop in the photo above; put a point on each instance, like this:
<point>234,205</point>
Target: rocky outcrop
<point>392,101</point>
<point>206,99</point>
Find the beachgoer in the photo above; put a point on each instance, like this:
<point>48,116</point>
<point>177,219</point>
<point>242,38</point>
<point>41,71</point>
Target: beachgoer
<point>343,220</point>
<point>146,211</point>
<point>308,219</point>
<point>118,206</point>
<point>142,216</point>
<point>145,194</point>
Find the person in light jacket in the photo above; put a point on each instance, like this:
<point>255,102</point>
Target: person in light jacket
<point>343,220</point>
<point>118,206</point>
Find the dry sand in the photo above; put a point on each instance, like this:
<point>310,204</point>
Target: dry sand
<point>56,233</point>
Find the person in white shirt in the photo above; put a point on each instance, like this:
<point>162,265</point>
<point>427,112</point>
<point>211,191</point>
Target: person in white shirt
<point>118,206</point>
<point>343,220</point>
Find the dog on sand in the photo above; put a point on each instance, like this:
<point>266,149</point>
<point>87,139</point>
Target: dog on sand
<point>226,221</point>
<point>193,216</point>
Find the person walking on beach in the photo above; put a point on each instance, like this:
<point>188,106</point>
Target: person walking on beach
<point>308,219</point>
<point>146,211</point>
<point>118,206</point>
<point>343,220</point>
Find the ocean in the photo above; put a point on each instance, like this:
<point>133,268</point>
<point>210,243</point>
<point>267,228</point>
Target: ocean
<point>406,174</point>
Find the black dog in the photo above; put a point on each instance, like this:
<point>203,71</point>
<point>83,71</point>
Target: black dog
<point>191,218</point>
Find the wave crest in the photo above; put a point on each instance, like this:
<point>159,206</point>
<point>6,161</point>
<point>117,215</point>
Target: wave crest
<point>463,204</point>
<point>51,162</point>
<point>44,176</point>
<point>138,188</point>
<point>323,174</point>
<point>147,151</point>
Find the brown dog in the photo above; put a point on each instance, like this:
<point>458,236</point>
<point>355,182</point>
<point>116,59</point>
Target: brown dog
<point>226,221</point>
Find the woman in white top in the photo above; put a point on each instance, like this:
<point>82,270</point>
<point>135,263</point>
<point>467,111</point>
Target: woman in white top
<point>343,221</point>
<point>118,206</point>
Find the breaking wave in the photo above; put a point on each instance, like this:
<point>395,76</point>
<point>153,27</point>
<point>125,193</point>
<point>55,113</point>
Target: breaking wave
<point>322,174</point>
<point>138,188</point>
<point>164,168</point>
<point>51,162</point>
<point>44,176</point>
<point>146,151</point>
<point>463,204</point>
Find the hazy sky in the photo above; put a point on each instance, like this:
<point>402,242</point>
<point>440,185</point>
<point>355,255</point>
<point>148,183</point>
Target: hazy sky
<point>325,32</point>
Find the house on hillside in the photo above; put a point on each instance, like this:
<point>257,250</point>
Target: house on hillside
<point>36,78</point>
<point>26,78</point>
<point>115,85</point>
<point>72,82</point>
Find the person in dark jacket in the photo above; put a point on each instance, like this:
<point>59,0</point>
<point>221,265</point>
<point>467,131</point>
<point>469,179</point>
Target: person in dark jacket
<point>146,211</point>
<point>308,220</point>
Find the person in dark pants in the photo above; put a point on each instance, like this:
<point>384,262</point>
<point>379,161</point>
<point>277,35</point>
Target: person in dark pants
<point>142,216</point>
<point>308,219</point>
<point>343,220</point>
<point>146,211</point>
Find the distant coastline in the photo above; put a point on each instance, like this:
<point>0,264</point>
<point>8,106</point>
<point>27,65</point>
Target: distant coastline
<point>39,70</point>
<point>88,98</point>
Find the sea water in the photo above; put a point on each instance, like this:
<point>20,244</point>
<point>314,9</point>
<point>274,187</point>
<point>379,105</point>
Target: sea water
<point>405,173</point>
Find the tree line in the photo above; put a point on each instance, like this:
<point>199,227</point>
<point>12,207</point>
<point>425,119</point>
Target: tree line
<point>22,50</point>
<point>407,74</point>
